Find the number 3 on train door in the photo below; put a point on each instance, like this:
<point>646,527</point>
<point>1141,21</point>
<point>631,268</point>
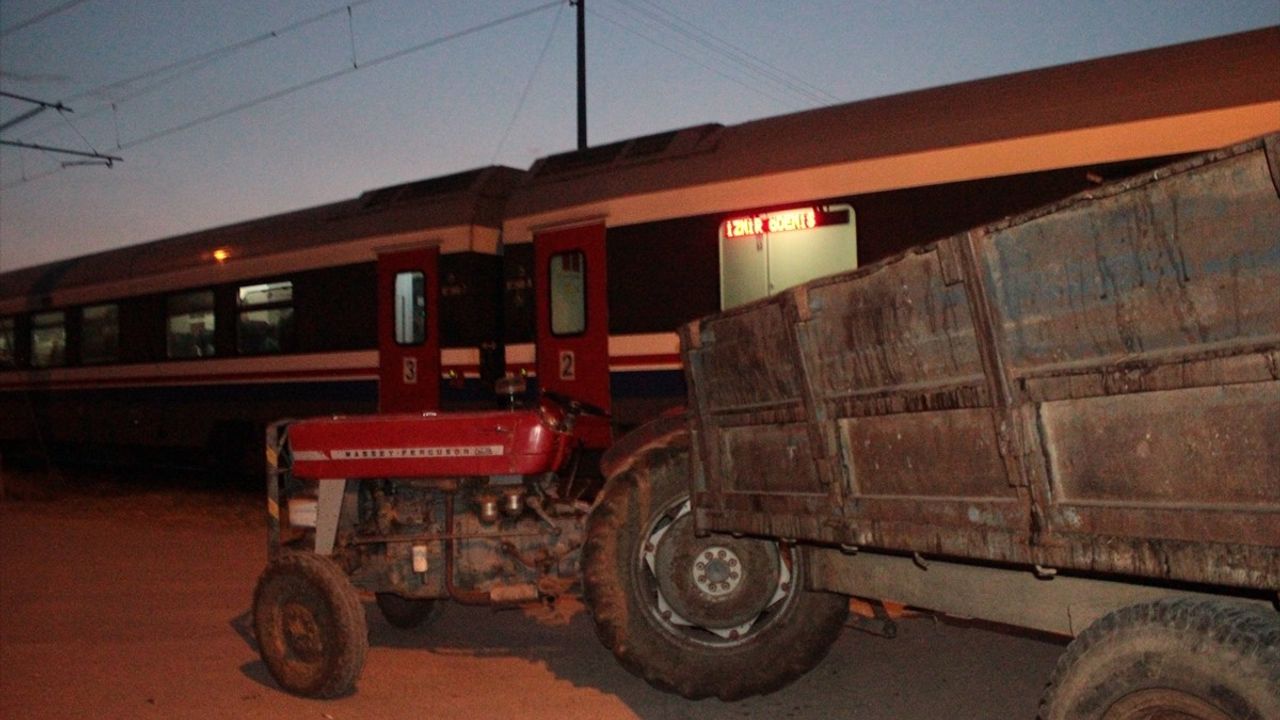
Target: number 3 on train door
<point>408,336</point>
<point>572,310</point>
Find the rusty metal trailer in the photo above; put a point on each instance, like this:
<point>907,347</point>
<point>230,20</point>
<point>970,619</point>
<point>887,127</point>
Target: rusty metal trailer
<point>1068,420</point>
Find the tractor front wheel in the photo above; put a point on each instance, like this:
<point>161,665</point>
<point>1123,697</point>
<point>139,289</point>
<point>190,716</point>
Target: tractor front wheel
<point>310,625</point>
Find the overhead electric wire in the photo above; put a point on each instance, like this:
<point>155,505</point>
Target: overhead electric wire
<point>42,16</point>
<point>592,10</point>
<point>317,81</point>
<point>524,94</point>
<point>337,74</point>
<point>724,47</point>
<point>77,131</point>
<point>186,66</point>
<point>740,61</point>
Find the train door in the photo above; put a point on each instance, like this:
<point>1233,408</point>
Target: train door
<point>573,317</point>
<point>408,330</point>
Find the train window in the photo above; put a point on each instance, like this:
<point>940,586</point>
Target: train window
<point>49,339</point>
<point>567,280</point>
<point>8,342</point>
<point>411,308</point>
<point>265,322</point>
<point>766,253</point>
<point>100,333</point>
<point>190,325</point>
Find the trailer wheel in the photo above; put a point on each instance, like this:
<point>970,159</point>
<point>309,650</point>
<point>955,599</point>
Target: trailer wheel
<point>406,613</point>
<point>718,615</point>
<point>310,625</point>
<point>1181,658</point>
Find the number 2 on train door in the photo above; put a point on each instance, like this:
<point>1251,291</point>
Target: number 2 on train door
<point>568,371</point>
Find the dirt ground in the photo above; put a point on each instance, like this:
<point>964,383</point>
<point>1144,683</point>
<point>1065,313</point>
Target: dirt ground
<point>120,601</point>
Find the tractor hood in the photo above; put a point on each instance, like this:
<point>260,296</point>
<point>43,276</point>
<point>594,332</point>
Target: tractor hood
<point>520,442</point>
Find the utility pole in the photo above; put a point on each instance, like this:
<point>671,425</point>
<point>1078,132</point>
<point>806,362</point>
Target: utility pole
<point>582,73</point>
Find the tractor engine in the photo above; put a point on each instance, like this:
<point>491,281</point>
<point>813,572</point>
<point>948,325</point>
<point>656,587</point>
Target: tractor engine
<point>475,540</point>
<point>495,540</point>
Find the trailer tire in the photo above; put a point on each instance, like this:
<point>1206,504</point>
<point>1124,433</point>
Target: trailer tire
<point>780,633</point>
<point>310,625</point>
<point>1186,658</point>
<point>406,613</point>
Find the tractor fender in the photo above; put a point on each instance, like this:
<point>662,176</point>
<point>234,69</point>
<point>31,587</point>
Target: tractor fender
<point>671,429</point>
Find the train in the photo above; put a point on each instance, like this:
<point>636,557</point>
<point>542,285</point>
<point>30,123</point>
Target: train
<point>572,274</point>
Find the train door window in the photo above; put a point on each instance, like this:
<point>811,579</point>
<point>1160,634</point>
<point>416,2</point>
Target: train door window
<point>49,339</point>
<point>190,325</point>
<point>766,253</point>
<point>100,333</point>
<point>8,342</point>
<point>265,323</point>
<point>410,307</point>
<point>568,287</point>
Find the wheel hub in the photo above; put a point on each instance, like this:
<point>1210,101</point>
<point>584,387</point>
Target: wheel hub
<point>301,633</point>
<point>717,571</point>
<point>721,584</point>
<point>1164,704</point>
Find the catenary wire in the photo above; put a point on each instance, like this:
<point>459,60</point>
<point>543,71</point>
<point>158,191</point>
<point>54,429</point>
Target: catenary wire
<point>617,23</point>
<point>180,68</point>
<point>41,17</point>
<point>733,52</point>
<point>337,74</point>
<point>389,57</point>
<point>524,94</point>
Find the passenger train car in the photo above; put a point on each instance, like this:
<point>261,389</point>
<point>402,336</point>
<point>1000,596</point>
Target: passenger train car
<point>577,271</point>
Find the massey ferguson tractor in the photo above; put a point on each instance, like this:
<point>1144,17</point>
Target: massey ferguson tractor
<point>490,508</point>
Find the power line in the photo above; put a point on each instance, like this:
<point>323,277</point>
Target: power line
<point>389,57</point>
<point>756,88</point>
<point>186,66</point>
<point>529,84</point>
<point>733,52</point>
<point>63,110</point>
<point>741,62</point>
<point>46,14</point>
<point>337,74</point>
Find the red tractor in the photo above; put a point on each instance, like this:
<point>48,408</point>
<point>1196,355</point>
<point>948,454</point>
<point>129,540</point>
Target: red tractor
<point>495,508</point>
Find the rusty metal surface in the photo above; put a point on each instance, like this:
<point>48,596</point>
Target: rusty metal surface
<point>1094,386</point>
<point>1189,262</point>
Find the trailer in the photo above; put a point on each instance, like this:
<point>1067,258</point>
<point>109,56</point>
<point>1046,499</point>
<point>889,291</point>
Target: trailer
<point>1067,421</point>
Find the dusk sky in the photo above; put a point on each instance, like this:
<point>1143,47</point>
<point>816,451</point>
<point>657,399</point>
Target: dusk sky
<point>227,110</point>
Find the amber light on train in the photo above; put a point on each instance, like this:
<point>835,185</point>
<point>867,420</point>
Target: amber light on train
<point>221,255</point>
<point>772,222</point>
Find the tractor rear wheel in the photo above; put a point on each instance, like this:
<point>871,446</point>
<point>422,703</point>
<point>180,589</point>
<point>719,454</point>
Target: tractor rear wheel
<point>699,616</point>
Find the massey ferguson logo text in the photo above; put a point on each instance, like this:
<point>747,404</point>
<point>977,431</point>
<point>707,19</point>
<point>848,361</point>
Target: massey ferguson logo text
<point>422,452</point>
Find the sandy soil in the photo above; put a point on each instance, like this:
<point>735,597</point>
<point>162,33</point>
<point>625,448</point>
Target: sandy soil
<point>120,601</point>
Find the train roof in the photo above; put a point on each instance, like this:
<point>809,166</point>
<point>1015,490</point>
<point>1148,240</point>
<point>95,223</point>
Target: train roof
<point>474,198</point>
<point>1231,71</point>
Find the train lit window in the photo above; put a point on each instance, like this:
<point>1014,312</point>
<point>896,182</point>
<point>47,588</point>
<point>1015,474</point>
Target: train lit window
<point>568,282</point>
<point>100,334</point>
<point>8,337</point>
<point>265,322</point>
<point>49,339</point>
<point>411,308</point>
<point>190,324</point>
<point>768,252</point>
